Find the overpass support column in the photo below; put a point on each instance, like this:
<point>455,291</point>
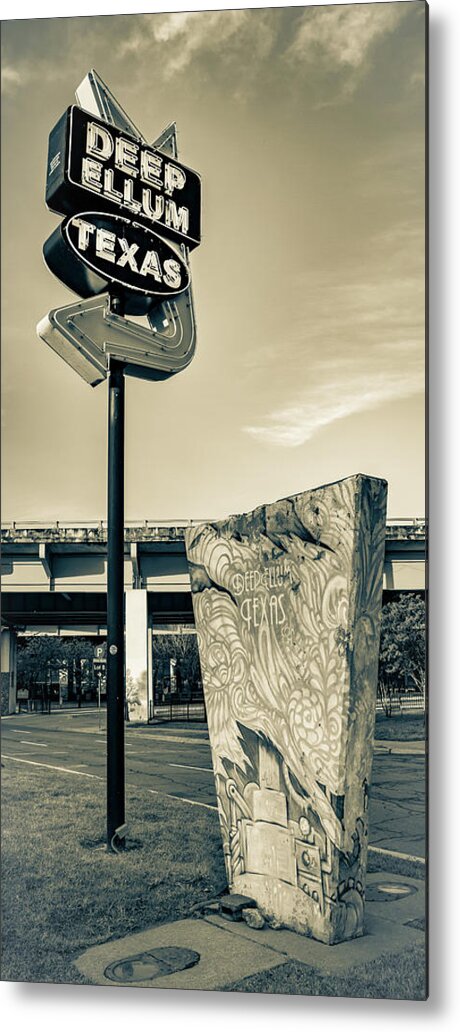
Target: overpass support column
<point>137,655</point>
<point>8,699</point>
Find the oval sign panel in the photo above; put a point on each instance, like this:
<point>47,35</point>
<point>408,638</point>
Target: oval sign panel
<point>92,252</point>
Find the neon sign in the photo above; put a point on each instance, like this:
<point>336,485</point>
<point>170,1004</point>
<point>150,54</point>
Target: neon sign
<point>90,159</point>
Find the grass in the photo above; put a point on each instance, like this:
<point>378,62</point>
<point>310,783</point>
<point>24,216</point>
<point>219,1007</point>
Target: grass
<point>401,976</point>
<point>397,977</point>
<point>402,727</point>
<point>62,892</point>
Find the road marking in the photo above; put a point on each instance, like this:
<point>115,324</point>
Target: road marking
<point>393,852</point>
<point>100,740</point>
<point>48,766</point>
<point>15,731</point>
<point>28,742</point>
<point>189,766</point>
<point>182,799</point>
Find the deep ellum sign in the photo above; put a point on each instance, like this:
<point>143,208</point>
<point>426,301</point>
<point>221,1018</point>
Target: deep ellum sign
<point>92,251</point>
<point>92,164</point>
<point>132,214</point>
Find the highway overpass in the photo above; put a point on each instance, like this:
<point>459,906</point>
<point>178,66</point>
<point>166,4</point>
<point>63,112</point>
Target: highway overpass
<point>54,581</point>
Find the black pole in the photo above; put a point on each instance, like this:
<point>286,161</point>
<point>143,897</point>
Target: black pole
<point>115,608</point>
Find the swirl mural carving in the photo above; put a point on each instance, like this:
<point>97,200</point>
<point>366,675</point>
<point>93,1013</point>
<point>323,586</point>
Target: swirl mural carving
<point>287,607</point>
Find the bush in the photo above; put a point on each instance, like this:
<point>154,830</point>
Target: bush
<point>402,657</point>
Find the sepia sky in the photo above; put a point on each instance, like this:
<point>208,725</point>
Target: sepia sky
<point>307,127</point>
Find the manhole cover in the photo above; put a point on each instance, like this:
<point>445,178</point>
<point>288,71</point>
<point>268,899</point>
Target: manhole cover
<point>156,963</point>
<point>381,892</point>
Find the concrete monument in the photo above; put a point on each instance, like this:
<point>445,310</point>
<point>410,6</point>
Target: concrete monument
<point>287,608</point>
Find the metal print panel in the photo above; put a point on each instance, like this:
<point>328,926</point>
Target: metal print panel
<point>213,702</point>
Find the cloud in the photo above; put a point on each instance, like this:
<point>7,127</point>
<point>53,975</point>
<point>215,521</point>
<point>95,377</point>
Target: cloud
<point>357,336</point>
<point>347,394</point>
<point>187,36</point>
<point>344,35</point>
<point>341,38</point>
<point>242,49</point>
<point>24,75</point>
<point>36,58</point>
<point>12,79</point>
<point>418,76</point>
<point>238,41</point>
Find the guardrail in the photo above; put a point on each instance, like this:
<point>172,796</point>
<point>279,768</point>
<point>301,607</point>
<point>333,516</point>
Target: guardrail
<point>410,521</point>
<point>403,704</point>
<point>170,711</point>
<point>98,524</point>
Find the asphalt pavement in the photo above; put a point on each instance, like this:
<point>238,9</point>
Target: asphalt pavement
<point>175,760</point>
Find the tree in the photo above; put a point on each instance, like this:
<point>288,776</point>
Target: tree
<point>402,644</point>
<point>183,648</point>
<point>40,659</point>
<point>74,652</point>
<point>186,653</point>
<point>35,659</point>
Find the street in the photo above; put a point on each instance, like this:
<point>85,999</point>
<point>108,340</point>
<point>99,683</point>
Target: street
<point>175,760</point>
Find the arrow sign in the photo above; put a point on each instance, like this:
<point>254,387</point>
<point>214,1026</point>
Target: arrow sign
<point>94,95</point>
<point>86,333</point>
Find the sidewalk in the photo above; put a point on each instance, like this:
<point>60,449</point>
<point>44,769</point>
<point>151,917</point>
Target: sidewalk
<point>409,748</point>
<point>223,953</point>
<point>88,720</point>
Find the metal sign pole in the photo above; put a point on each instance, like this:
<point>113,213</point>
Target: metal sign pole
<point>115,610</point>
